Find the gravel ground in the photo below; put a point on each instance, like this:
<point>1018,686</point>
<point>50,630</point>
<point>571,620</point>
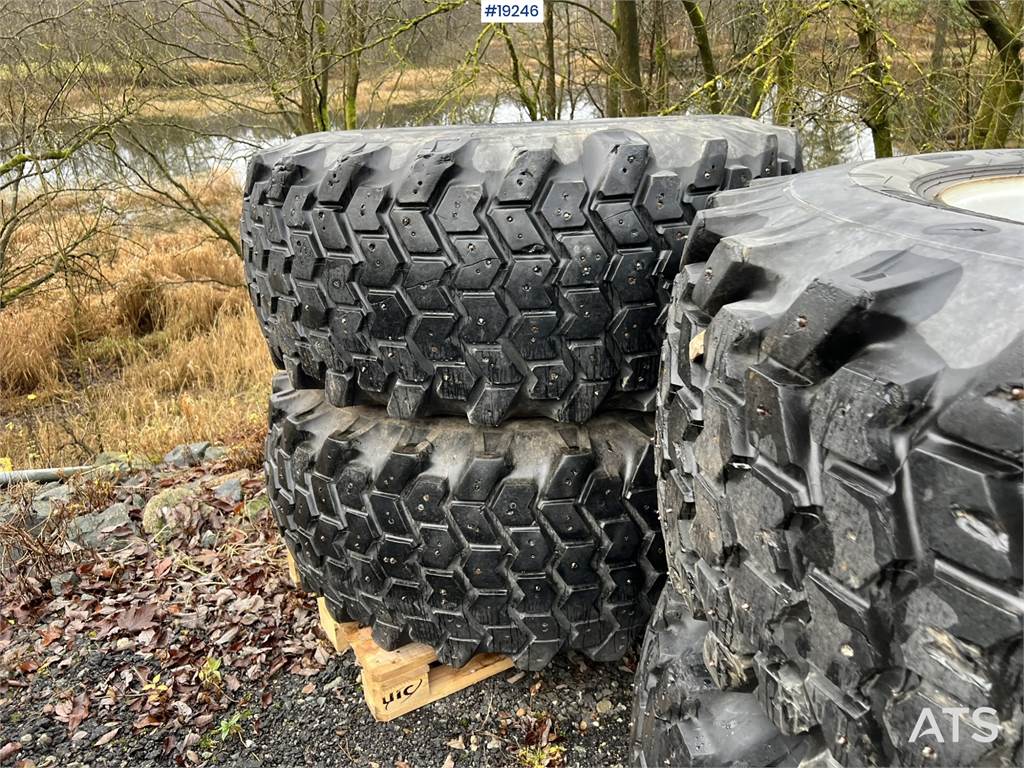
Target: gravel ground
<point>486,725</point>
<point>322,720</point>
<point>147,619</point>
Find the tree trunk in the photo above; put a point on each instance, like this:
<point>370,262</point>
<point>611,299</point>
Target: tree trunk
<point>323,64</point>
<point>934,129</point>
<point>1001,101</point>
<point>613,85</point>
<point>874,96</point>
<point>301,33</point>
<point>784,79</point>
<point>939,41</point>
<point>515,72</point>
<point>627,34</point>
<point>792,19</point>
<point>707,57</point>
<point>551,96</point>
<point>353,39</point>
<point>659,58</point>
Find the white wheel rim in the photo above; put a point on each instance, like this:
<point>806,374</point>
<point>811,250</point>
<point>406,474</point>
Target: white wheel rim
<point>1001,196</point>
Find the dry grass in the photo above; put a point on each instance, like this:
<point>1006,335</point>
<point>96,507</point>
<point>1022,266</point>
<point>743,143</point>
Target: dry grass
<point>165,350</point>
<point>32,339</point>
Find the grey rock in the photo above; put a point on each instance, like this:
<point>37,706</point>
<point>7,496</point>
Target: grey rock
<point>335,683</point>
<point>121,464</point>
<point>109,529</point>
<point>215,453</point>
<point>187,455</point>
<point>137,480</point>
<point>62,581</point>
<point>158,515</point>
<point>230,489</point>
<point>6,511</point>
<point>208,539</point>
<point>43,502</point>
<point>54,492</point>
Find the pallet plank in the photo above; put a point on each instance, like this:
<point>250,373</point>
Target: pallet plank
<point>407,684</point>
<point>293,570</point>
<point>338,633</point>
<point>399,681</point>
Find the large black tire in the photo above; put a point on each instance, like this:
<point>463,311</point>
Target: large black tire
<point>523,540</point>
<point>840,444</point>
<point>681,718</point>
<point>502,270</point>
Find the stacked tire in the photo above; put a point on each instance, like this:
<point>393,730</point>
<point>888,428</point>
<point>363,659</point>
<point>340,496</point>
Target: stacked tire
<point>469,323</point>
<point>840,422</point>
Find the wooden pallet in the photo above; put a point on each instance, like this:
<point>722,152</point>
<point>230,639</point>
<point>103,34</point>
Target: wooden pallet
<point>400,681</point>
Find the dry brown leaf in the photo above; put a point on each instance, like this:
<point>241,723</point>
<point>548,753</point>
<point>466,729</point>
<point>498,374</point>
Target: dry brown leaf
<point>148,721</point>
<point>50,635</point>
<point>137,618</point>
<point>79,712</point>
<point>107,737</point>
<point>229,635</point>
<point>540,733</point>
<point>9,750</point>
<point>162,567</point>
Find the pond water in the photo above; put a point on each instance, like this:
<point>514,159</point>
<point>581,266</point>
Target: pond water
<point>225,142</point>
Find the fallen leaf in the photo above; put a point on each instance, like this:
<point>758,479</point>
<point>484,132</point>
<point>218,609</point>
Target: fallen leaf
<point>148,721</point>
<point>449,761</point>
<point>137,618</point>
<point>540,734</point>
<point>458,743</point>
<point>107,737</point>
<point>73,711</point>
<point>50,635</point>
<point>10,749</point>
<point>79,712</point>
<point>229,635</point>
